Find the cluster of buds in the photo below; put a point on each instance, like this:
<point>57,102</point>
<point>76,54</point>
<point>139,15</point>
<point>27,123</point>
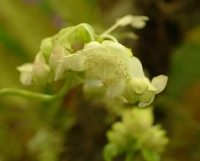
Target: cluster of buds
<point>134,133</point>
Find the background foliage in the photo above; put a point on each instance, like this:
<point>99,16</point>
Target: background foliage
<point>74,128</point>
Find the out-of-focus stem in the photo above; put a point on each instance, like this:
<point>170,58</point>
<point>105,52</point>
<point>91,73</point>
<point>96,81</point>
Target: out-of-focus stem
<point>40,96</point>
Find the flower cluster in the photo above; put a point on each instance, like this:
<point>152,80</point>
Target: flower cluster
<point>135,132</point>
<point>105,63</point>
<point>106,67</point>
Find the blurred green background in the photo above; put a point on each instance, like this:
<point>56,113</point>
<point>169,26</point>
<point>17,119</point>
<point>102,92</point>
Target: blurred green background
<point>74,128</point>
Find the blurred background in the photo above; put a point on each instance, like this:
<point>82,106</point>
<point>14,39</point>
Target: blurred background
<point>74,129</point>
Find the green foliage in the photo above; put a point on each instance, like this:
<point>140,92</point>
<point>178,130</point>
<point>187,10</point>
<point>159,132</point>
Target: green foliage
<point>185,66</point>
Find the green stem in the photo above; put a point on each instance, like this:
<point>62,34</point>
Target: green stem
<point>40,96</point>
<point>112,28</point>
<point>27,94</point>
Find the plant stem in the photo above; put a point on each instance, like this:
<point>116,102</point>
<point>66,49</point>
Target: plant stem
<point>27,94</point>
<point>40,96</point>
<point>112,28</point>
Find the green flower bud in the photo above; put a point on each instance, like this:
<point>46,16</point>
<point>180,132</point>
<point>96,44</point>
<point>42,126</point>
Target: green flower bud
<point>119,127</point>
<point>154,139</point>
<point>110,151</point>
<point>137,121</point>
<point>46,47</point>
<point>117,139</point>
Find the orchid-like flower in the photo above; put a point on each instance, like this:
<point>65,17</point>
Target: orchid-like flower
<point>105,63</point>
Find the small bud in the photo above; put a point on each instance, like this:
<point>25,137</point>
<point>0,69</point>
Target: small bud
<point>46,47</point>
<point>155,139</point>
<point>138,121</point>
<point>117,138</point>
<point>26,73</point>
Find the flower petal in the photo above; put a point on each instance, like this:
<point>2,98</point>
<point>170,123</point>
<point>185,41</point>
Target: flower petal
<point>26,74</point>
<point>75,62</point>
<point>135,68</point>
<point>115,89</point>
<point>159,83</point>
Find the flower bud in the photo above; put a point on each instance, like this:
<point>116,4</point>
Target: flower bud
<point>26,73</point>
<point>46,47</point>
<point>154,139</point>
